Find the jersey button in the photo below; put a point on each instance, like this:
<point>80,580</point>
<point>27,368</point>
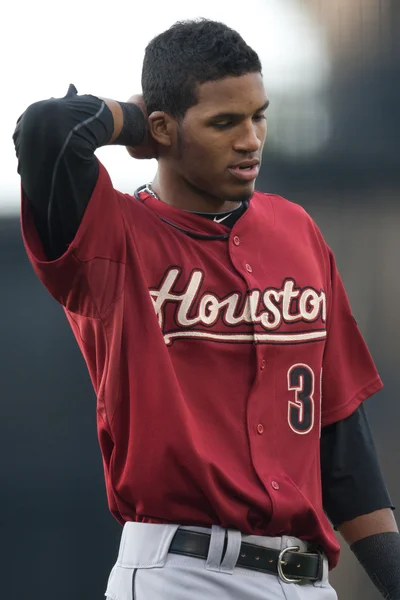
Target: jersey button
<point>236,240</point>
<point>260,428</point>
<point>249,269</point>
<point>275,485</point>
<point>263,365</point>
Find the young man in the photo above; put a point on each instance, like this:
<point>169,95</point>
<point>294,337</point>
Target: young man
<point>228,368</point>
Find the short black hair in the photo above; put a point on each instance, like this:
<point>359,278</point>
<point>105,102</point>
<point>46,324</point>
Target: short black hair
<point>190,53</point>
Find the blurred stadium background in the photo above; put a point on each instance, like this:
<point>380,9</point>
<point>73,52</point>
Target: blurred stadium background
<point>332,72</point>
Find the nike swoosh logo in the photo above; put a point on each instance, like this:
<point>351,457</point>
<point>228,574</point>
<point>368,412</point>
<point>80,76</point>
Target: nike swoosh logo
<point>222,219</point>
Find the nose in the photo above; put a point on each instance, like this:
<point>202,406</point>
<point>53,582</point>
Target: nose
<point>248,140</point>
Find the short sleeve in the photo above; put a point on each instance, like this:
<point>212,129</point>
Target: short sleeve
<point>89,275</point>
<point>349,375</point>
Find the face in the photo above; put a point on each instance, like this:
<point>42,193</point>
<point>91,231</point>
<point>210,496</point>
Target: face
<point>220,139</point>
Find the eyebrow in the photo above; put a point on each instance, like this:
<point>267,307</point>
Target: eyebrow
<point>239,115</point>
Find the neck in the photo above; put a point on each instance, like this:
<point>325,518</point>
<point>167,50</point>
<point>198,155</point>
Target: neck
<point>174,190</point>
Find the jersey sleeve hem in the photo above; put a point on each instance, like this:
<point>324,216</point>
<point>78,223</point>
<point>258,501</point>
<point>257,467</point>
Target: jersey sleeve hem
<point>89,276</point>
<point>347,409</point>
<point>33,244</point>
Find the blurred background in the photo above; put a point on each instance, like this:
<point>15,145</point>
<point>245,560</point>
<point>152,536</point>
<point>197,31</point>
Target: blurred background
<point>332,72</point>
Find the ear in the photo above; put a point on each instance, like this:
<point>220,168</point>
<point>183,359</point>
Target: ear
<point>162,127</point>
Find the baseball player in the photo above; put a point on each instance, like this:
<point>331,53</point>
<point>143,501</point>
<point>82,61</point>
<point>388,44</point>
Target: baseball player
<point>229,370</point>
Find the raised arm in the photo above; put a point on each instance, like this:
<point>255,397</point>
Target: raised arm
<point>55,141</point>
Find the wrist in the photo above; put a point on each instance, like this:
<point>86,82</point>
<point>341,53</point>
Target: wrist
<point>131,125</point>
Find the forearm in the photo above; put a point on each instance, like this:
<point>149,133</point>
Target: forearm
<point>380,521</point>
<point>72,127</point>
<point>375,541</point>
<point>129,126</point>
<point>357,501</point>
<point>55,142</point>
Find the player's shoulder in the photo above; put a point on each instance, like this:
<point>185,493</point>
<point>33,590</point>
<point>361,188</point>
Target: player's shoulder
<point>290,218</point>
<point>280,205</point>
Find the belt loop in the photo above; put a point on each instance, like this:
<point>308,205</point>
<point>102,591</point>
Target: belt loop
<point>232,551</point>
<point>323,571</point>
<point>216,548</point>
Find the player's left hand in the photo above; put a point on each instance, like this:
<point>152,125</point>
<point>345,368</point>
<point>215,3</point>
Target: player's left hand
<point>148,148</point>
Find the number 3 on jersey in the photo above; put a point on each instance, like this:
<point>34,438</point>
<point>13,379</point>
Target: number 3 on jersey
<point>301,409</point>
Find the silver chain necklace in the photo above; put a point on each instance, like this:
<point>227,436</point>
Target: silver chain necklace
<point>150,190</point>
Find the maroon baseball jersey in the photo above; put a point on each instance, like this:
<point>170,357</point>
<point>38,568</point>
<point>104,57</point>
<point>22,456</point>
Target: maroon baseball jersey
<point>215,361</point>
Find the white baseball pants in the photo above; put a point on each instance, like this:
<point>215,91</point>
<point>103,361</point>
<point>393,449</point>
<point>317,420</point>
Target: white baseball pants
<point>145,571</point>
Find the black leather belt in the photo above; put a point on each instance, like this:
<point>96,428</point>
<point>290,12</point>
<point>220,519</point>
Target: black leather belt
<point>289,564</point>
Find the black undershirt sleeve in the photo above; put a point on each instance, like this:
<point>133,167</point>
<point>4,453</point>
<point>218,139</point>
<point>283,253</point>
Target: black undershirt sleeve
<point>55,141</point>
<point>352,481</point>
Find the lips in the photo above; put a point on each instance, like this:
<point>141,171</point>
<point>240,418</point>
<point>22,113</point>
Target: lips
<point>245,172</point>
<point>245,163</point>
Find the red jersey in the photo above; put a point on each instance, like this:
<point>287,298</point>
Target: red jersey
<point>215,361</point>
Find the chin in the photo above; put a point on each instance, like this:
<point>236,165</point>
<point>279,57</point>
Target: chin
<point>242,195</point>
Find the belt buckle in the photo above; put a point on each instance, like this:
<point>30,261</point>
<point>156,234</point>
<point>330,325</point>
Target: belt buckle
<point>282,563</point>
